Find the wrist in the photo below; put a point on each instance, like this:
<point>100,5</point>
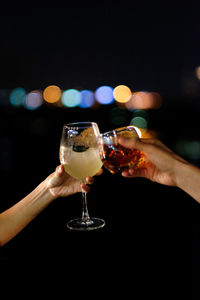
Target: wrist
<point>179,172</point>
<point>188,178</point>
<point>45,191</point>
<point>185,174</point>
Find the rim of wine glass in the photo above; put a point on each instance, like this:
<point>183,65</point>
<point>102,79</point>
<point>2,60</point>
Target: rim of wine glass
<point>122,128</point>
<point>80,124</point>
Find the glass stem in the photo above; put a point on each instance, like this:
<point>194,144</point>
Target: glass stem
<point>85,214</point>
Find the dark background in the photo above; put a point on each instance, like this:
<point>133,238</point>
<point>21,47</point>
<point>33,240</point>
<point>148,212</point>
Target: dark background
<point>151,230</point>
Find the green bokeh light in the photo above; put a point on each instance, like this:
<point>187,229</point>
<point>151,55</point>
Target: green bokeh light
<point>71,98</point>
<point>118,116</point>
<point>139,122</point>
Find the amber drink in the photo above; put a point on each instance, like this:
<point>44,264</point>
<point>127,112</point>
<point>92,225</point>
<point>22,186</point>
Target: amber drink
<point>114,156</point>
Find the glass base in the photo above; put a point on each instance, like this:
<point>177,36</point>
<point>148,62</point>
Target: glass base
<point>81,225</point>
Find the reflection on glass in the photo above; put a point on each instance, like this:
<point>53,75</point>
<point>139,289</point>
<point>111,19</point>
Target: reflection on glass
<point>114,156</point>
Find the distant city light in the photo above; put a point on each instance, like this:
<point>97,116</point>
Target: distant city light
<point>144,100</point>
<point>18,96</point>
<point>118,116</point>
<point>189,149</point>
<point>139,122</point>
<point>198,72</point>
<point>86,99</point>
<point>33,100</point>
<point>122,93</point>
<point>52,94</point>
<point>71,98</point>
<point>140,113</point>
<point>104,95</point>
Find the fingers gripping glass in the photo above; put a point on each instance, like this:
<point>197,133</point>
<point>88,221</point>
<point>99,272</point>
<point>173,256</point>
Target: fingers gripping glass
<point>79,154</point>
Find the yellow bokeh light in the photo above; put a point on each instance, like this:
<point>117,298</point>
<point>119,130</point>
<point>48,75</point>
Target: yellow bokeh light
<point>52,94</point>
<point>122,93</point>
<point>148,134</point>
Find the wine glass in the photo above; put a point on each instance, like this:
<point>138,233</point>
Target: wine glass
<point>114,156</point>
<point>79,154</point>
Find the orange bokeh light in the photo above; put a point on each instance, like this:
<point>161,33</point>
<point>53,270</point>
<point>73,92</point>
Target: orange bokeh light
<point>148,134</point>
<point>144,100</point>
<point>52,94</point>
<point>122,93</point>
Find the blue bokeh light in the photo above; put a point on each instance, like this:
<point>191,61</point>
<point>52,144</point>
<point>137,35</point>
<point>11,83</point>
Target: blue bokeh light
<point>87,99</point>
<point>104,95</point>
<point>18,96</point>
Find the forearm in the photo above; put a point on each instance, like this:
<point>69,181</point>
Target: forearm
<point>188,179</point>
<point>14,219</point>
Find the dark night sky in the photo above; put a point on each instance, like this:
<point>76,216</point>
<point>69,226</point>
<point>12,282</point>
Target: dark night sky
<point>150,48</point>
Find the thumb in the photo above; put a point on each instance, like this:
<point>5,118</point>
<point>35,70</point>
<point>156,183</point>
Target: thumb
<point>133,143</point>
<point>57,177</point>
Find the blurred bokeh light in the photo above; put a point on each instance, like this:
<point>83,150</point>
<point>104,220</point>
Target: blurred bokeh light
<point>189,149</point>
<point>118,116</point>
<point>71,98</point>
<point>148,134</point>
<point>52,94</point>
<point>104,95</point>
<point>33,100</point>
<point>18,96</point>
<point>87,99</point>
<point>139,122</point>
<point>122,93</point>
<point>198,72</point>
<point>144,100</point>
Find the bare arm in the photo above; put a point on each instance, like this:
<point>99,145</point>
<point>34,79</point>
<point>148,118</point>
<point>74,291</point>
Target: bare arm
<point>188,179</point>
<point>14,219</point>
<point>58,184</point>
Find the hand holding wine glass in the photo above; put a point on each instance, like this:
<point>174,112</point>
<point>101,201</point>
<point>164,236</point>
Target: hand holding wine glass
<point>159,163</point>
<point>61,184</point>
<point>164,166</point>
